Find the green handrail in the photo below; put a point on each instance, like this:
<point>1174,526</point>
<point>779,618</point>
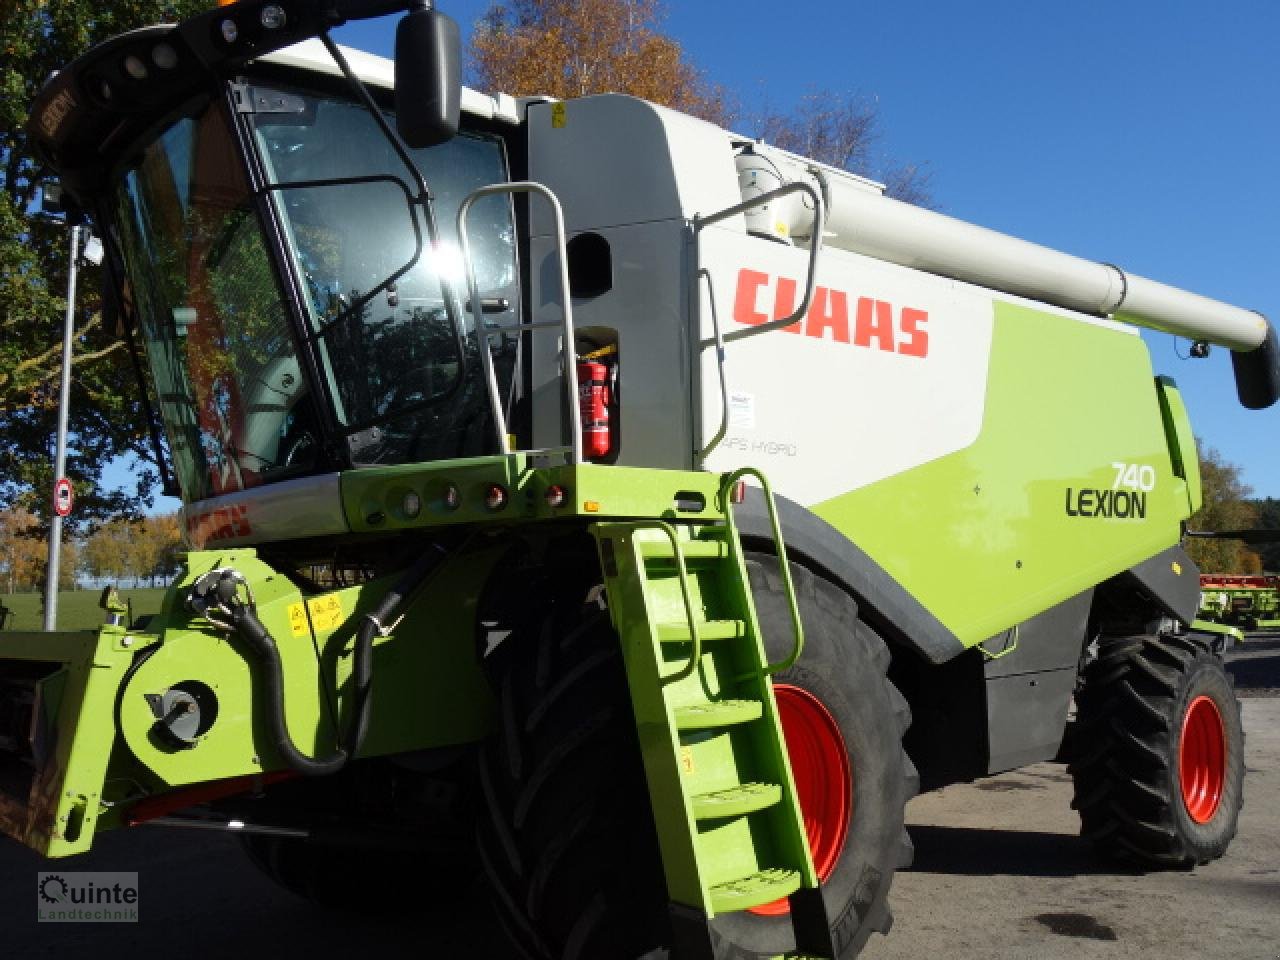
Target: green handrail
<point>684,592</point>
<point>726,505</point>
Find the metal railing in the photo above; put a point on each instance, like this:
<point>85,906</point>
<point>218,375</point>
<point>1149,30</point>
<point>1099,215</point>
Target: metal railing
<point>719,338</point>
<point>569,372</point>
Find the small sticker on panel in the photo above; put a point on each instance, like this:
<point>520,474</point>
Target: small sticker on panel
<point>557,115</point>
<point>297,620</point>
<point>742,410</point>
<point>326,612</point>
<point>686,761</point>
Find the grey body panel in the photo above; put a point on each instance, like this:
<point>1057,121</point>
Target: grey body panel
<point>1026,717</point>
<point>1028,691</point>
<point>1053,640</point>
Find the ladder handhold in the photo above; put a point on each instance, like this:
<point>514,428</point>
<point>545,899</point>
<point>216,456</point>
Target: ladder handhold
<point>723,713</point>
<point>677,631</point>
<point>660,550</point>
<point>763,887</point>
<point>736,801</point>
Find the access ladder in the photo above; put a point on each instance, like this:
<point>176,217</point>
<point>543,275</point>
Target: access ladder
<point>724,802</point>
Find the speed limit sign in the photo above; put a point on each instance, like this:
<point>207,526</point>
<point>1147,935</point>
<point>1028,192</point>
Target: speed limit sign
<point>63,497</point>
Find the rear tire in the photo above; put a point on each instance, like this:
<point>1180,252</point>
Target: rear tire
<point>1159,767</point>
<point>566,834</point>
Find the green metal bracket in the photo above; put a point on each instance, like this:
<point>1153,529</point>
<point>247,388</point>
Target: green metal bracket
<point>1010,644</point>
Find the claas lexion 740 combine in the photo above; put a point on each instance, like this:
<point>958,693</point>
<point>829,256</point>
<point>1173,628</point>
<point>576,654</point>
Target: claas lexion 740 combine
<point>471,402</point>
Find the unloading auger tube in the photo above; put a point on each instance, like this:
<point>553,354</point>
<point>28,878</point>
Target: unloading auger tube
<point>217,596</point>
<point>861,219</point>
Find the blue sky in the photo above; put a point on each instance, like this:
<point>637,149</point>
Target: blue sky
<point>1140,133</point>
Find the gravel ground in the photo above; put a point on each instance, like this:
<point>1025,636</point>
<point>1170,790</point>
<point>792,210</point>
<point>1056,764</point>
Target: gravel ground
<point>1000,873</point>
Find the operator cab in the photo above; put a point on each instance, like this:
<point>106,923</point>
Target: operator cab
<point>295,284</point>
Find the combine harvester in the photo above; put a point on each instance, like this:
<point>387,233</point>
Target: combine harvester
<point>1241,602</point>
<point>471,401</point>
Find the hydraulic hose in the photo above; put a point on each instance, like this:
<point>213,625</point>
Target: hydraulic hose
<point>241,618</point>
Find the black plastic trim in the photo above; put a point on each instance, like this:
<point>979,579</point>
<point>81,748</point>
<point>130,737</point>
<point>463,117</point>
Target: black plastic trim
<point>1176,593</point>
<point>885,605</point>
<point>1258,373</point>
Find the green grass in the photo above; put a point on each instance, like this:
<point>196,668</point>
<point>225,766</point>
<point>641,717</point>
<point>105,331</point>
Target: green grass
<point>77,609</point>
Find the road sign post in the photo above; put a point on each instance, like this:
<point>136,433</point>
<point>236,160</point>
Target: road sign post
<point>60,457</point>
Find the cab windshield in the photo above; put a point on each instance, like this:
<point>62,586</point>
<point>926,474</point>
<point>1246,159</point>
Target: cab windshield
<point>209,294</point>
<point>341,193</point>
<point>230,389</point>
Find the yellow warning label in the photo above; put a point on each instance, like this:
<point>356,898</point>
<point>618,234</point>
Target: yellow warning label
<point>557,114</point>
<point>686,760</point>
<point>326,612</point>
<point>297,620</point>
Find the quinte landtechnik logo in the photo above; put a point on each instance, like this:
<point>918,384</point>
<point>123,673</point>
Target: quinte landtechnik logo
<point>87,897</point>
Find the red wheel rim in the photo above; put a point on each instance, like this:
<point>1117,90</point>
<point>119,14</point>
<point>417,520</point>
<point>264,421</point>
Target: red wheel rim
<point>1202,759</point>
<point>823,776</point>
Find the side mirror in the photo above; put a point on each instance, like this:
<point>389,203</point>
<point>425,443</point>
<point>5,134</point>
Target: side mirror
<point>428,77</point>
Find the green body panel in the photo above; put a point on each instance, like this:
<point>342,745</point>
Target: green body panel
<point>983,537</point>
<point>430,692</point>
<point>73,729</point>
<point>719,778</point>
<point>1182,440</point>
<point>373,498</point>
<point>428,661</point>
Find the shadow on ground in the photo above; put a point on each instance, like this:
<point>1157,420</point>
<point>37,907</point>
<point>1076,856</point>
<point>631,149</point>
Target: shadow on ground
<point>982,852</point>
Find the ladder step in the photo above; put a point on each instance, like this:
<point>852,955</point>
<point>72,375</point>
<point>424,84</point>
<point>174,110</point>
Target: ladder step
<point>763,887</point>
<point>677,631</point>
<point>660,550</point>
<point>736,801</point>
<point>724,713</point>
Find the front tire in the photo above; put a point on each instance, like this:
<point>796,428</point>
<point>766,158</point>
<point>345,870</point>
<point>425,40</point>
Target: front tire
<point>1159,771</point>
<point>384,839</point>
<point>567,837</point>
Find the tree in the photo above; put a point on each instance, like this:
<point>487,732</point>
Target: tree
<point>135,550</point>
<point>37,38</point>
<point>22,561</point>
<point>1224,507</point>
<point>571,48</point>
<point>840,130</point>
<point>24,558</point>
<point>157,544</point>
<point>1269,519</point>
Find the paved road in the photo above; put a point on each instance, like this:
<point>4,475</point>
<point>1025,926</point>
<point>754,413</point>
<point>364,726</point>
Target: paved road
<point>999,875</point>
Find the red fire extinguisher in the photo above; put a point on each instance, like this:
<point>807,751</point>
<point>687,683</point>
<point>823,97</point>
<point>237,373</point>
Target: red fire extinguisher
<point>595,400</point>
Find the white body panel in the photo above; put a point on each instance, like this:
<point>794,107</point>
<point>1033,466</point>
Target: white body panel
<point>379,72</point>
<point>310,506</point>
<point>888,371</point>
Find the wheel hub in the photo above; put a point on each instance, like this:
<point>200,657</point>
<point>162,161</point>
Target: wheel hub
<point>1202,759</point>
<point>823,777</point>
